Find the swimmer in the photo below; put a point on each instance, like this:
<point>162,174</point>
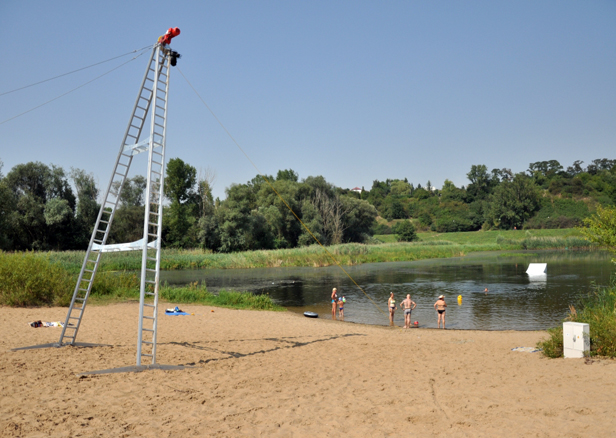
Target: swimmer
<point>391,303</point>
<point>408,305</point>
<point>341,308</point>
<point>440,307</point>
<point>486,290</point>
<point>334,299</point>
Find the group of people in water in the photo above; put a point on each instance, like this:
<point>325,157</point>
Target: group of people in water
<point>408,305</point>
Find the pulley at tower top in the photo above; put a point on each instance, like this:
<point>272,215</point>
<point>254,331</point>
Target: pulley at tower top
<point>165,40</point>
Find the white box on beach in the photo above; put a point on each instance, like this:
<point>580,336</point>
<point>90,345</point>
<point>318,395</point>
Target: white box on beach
<point>576,339</point>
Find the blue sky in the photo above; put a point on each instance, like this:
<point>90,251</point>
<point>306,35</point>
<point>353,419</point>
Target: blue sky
<point>351,90</point>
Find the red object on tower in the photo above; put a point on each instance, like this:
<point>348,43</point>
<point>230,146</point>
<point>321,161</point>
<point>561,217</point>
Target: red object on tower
<point>169,35</point>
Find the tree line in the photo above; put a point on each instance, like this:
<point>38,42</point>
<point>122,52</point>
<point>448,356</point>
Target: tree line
<point>47,208</point>
<point>545,196</point>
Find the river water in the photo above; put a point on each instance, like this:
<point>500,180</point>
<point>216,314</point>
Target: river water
<point>514,300</point>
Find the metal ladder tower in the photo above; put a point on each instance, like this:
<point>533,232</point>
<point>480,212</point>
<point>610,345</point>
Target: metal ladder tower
<point>152,98</point>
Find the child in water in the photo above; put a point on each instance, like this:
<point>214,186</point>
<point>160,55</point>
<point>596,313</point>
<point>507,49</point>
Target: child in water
<point>341,301</point>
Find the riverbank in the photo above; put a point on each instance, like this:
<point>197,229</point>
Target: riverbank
<point>279,374</point>
<point>431,246</point>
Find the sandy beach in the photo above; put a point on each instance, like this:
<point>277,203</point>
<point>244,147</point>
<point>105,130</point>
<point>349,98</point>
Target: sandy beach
<point>280,374</point>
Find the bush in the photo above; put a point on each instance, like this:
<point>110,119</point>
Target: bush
<point>553,346</point>
<point>381,229</point>
<point>27,279</point>
<point>405,231</point>
<point>598,310</point>
<point>558,213</point>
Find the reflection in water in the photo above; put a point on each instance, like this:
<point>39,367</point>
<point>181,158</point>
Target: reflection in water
<point>515,301</point>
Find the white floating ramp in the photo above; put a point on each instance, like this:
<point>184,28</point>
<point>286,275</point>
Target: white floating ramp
<point>537,269</point>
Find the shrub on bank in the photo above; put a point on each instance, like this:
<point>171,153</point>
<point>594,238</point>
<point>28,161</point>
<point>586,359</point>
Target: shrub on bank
<point>27,279</point>
<point>30,279</point>
<point>598,310</point>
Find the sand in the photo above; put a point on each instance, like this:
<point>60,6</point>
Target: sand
<point>282,375</point>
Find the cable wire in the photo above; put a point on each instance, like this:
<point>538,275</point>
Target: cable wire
<point>281,198</point>
<point>75,71</point>
<point>70,91</point>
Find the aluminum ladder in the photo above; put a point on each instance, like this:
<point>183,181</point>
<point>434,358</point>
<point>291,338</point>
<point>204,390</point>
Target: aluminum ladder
<point>152,98</point>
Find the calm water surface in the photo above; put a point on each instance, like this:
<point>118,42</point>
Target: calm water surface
<point>515,301</point>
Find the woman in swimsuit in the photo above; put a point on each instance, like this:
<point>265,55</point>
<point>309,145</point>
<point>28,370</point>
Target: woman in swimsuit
<point>440,306</point>
<point>334,300</point>
<point>391,303</point>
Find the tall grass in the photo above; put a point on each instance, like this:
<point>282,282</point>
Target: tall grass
<point>431,245</point>
<point>30,279</point>
<point>33,279</point>
<point>598,310</point>
<point>196,293</point>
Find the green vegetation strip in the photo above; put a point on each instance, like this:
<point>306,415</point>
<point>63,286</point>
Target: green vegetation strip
<point>598,310</point>
<point>431,246</point>
<point>33,279</point>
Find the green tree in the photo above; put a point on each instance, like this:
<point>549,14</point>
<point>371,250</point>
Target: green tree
<point>600,228</point>
<point>180,220</point>
<point>514,202</point>
<point>287,175</point>
<point>180,181</point>
<point>133,192</point>
<point>359,220</point>
<point>7,213</point>
<point>32,186</point>
<point>481,182</point>
<point>87,208</point>
<point>400,188</point>
<point>405,231</point>
<point>233,218</point>
<point>450,192</point>
<point>312,219</point>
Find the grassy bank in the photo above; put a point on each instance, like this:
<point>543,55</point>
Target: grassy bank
<point>598,310</point>
<point>431,245</point>
<point>195,294</point>
<point>487,237</point>
<point>35,279</point>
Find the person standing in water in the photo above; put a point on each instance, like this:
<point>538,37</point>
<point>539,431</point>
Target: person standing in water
<point>408,305</point>
<point>341,308</point>
<point>391,304</point>
<point>440,307</point>
<point>334,300</point>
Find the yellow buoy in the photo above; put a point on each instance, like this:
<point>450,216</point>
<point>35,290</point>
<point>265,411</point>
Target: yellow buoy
<point>459,299</point>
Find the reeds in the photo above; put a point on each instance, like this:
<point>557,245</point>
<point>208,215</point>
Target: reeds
<point>433,246</point>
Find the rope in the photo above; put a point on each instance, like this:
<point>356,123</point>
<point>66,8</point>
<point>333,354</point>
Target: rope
<point>74,71</point>
<point>278,194</point>
<point>70,91</point>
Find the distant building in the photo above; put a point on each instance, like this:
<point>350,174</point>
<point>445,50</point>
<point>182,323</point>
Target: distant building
<point>356,189</point>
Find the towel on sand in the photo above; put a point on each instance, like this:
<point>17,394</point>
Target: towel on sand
<point>175,312</point>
